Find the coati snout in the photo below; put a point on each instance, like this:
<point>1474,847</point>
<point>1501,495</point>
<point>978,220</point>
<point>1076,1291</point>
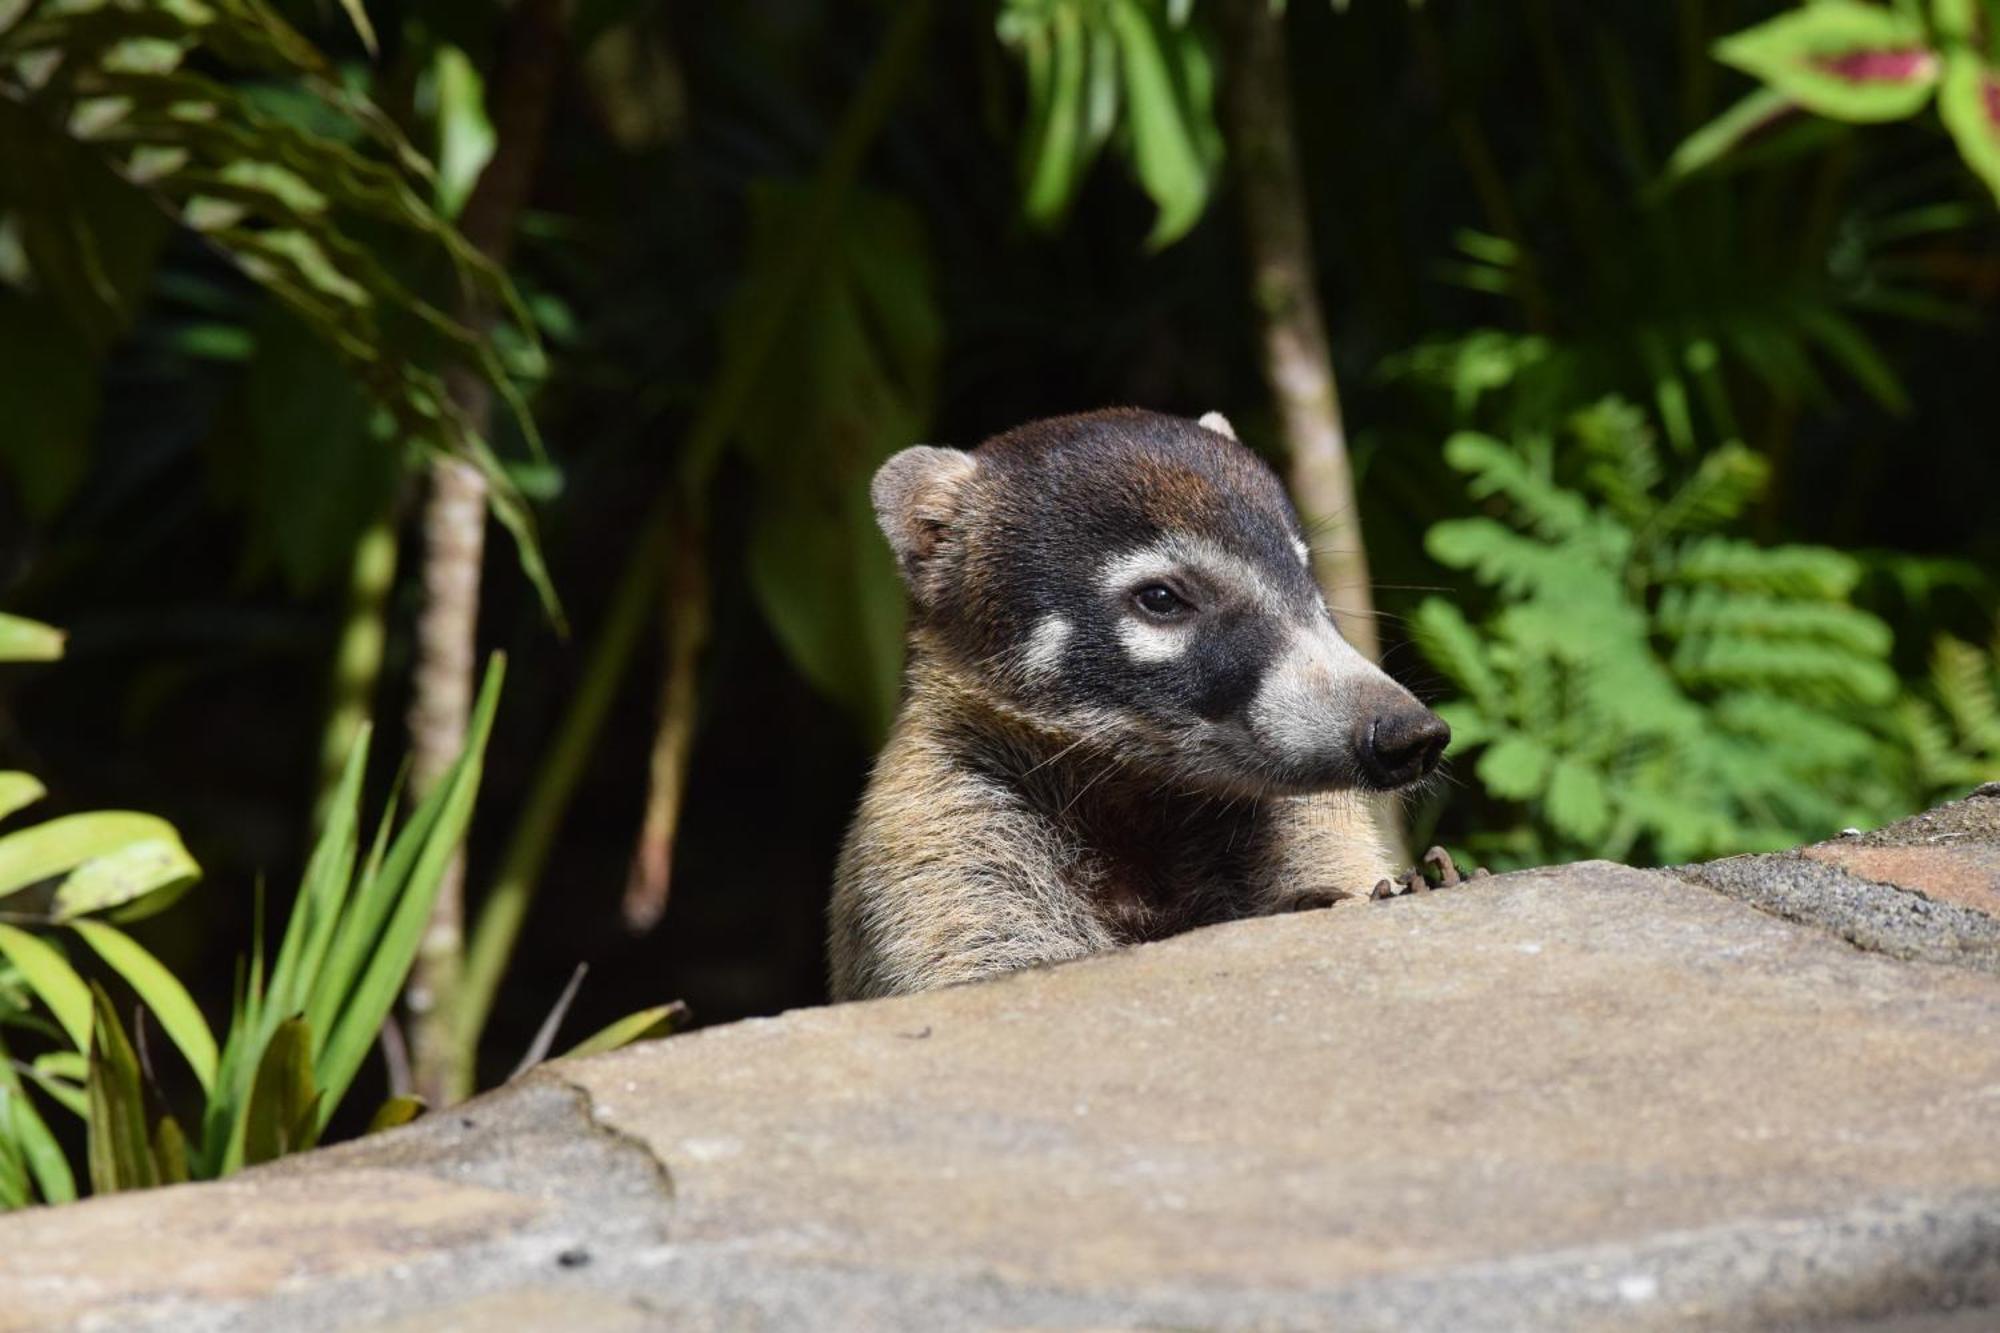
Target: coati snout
<point>1138,586</point>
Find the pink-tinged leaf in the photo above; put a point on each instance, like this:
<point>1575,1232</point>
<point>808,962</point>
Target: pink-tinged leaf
<point>1969,103</point>
<point>1841,58</point>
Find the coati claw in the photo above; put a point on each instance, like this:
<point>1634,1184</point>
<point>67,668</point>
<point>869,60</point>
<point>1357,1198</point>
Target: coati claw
<point>1436,871</point>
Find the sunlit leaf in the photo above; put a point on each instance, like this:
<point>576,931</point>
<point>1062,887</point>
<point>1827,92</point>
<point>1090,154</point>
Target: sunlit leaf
<point>1969,103</point>
<point>23,640</point>
<point>18,791</point>
<point>161,991</point>
<point>394,1113</point>
<point>52,979</point>
<point>1841,58</point>
<point>659,1021</point>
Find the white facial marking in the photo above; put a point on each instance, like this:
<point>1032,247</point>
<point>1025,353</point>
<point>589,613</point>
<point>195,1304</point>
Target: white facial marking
<point>1045,644</point>
<point>1305,552</point>
<point>1196,555</point>
<point>1152,643</point>
<point>1305,703</point>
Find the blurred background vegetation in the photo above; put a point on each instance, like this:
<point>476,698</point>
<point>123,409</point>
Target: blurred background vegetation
<point>1658,331</point>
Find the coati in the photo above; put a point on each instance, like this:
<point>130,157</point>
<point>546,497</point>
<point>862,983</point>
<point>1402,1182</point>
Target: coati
<point>1127,709</point>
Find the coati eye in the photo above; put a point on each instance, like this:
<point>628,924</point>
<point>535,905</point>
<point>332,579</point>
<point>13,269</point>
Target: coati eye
<point>1161,602</point>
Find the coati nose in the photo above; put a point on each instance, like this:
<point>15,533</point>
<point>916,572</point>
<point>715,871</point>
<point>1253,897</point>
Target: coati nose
<point>1400,747</point>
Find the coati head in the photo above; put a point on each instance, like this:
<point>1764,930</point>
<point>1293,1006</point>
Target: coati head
<point>1141,584</point>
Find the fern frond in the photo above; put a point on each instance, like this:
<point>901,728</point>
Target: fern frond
<point>1499,469</point>
<point>1691,613</point>
<point>1722,487</point>
<point>1963,677</point>
<point>1795,571</point>
<point>1455,648</point>
<point>1624,458</point>
<point>1813,670</point>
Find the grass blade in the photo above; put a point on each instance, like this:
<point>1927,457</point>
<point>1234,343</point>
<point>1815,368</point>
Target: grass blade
<point>389,964</point>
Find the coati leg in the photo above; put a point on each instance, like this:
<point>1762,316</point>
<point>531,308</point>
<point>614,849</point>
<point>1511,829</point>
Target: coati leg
<point>1438,871</point>
<point>1318,850</point>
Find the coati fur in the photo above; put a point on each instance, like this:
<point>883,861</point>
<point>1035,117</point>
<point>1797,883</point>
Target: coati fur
<point>1127,709</point>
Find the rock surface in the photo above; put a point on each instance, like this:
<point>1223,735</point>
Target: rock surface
<point>1581,1097</point>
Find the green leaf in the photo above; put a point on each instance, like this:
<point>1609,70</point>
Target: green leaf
<point>120,1151</point>
<point>394,1113</point>
<point>110,858</point>
<point>161,991</point>
<point>1167,135</point>
<point>1514,768</point>
<point>1754,115</point>
<point>1969,104</point>
<point>411,876</point>
<point>1576,801</point>
<point>23,640</point>
<point>51,977</point>
<point>21,1123</point>
<point>18,791</point>
<point>284,1101</point>
<point>170,1151</point>
<point>659,1021</point>
<point>1841,58</point>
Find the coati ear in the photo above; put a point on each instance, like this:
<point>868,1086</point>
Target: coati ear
<point>1218,423</point>
<point>917,495</point>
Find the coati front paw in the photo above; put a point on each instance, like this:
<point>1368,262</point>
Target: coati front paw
<point>1437,871</point>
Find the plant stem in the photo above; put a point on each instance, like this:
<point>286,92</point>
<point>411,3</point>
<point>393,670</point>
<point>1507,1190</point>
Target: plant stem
<point>1297,360</point>
<point>519,94</point>
<point>357,659</point>
<point>687,622</point>
<point>527,852</point>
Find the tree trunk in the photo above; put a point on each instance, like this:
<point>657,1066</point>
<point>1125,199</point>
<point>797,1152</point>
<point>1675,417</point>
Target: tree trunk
<point>1297,362</point>
<point>519,92</point>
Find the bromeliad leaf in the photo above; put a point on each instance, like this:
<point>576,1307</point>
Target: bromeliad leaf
<point>1841,58</point>
<point>1969,103</point>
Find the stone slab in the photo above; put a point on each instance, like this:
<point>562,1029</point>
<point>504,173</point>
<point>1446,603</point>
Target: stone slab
<point>1589,1097</point>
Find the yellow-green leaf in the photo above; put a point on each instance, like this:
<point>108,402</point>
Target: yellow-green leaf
<point>170,1154</point>
<point>658,1021</point>
<point>145,855</point>
<point>23,640</point>
<point>162,992</point>
<point>18,790</point>
<point>51,977</point>
<point>396,1111</point>
<point>283,1097</point>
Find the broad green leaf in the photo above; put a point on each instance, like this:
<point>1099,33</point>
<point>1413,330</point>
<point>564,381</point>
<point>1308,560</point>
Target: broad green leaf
<point>395,1112</point>
<point>1969,103</point>
<point>1576,801</point>
<point>51,977</point>
<point>161,991</point>
<point>1515,767</point>
<point>1054,158</point>
<point>1841,58</point>
<point>18,791</point>
<point>1166,140</point>
<point>120,1150</point>
<point>645,1025</point>
<point>23,640</point>
<point>110,857</point>
<point>66,1091</point>
<point>283,1097</point>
